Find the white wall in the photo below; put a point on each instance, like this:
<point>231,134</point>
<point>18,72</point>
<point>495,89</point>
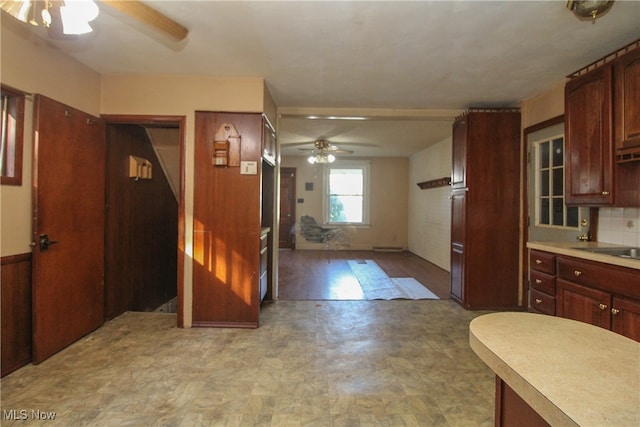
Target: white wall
<point>430,209</point>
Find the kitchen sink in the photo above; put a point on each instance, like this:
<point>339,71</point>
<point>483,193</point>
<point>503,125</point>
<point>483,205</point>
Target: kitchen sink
<point>626,252</point>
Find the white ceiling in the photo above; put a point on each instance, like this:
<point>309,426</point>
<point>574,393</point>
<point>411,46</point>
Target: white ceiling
<point>411,66</point>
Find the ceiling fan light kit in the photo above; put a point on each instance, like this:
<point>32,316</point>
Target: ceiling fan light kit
<point>321,157</point>
<point>69,17</point>
<point>589,9</point>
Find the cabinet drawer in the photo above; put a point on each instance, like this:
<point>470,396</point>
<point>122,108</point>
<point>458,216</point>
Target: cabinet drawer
<point>542,303</point>
<point>606,277</point>
<point>263,260</point>
<point>542,261</point>
<point>543,282</point>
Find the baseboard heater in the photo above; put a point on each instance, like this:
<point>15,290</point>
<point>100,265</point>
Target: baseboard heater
<point>388,249</point>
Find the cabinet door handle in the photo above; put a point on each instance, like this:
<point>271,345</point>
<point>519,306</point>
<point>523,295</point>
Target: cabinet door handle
<point>538,281</point>
<point>615,311</point>
<point>538,301</point>
<point>538,261</point>
<point>602,306</point>
<point>577,273</point>
<point>605,193</point>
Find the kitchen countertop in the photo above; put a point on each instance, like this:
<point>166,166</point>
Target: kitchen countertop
<point>571,373</point>
<point>568,248</point>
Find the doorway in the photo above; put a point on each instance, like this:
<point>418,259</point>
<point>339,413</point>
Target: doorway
<point>287,208</point>
<point>143,263</point>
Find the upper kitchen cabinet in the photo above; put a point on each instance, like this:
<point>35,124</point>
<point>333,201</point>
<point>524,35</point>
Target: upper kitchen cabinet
<point>626,80</point>
<point>268,141</point>
<point>602,110</point>
<point>589,147</point>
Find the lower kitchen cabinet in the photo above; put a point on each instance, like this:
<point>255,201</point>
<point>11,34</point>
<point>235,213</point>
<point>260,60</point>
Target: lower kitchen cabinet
<point>626,317</point>
<point>585,304</point>
<point>597,293</point>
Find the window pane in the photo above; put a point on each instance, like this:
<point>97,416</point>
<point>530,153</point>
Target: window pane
<point>558,152</point>
<point>346,181</point>
<point>558,212</point>
<point>346,195</point>
<point>544,155</point>
<point>544,183</point>
<point>558,182</point>
<point>572,216</point>
<point>345,208</point>
<point>544,211</point>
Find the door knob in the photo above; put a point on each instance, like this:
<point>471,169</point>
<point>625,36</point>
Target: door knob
<point>44,242</point>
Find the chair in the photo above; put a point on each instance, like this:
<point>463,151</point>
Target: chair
<point>314,232</point>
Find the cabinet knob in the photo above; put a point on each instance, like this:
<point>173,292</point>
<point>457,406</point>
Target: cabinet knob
<point>603,306</point>
<point>615,311</point>
<point>538,281</point>
<point>538,261</point>
<point>577,273</point>
<point>605,193</point>
<point>538,301</point>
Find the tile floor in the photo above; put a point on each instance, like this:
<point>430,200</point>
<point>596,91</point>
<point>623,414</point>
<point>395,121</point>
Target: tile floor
<point>311,363</point>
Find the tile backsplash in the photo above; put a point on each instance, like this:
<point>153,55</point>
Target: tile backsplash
<point>619,225</point>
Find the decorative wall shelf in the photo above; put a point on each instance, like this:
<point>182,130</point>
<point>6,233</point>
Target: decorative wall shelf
<point>440,182</point>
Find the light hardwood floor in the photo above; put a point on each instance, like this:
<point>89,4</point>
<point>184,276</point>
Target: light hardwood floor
<point>325,275</point>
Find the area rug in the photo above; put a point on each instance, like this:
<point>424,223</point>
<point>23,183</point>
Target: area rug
<point>376,284</point>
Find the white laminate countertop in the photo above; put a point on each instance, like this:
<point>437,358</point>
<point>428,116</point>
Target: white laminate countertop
<point>569,372</point>
<point>571,249</point>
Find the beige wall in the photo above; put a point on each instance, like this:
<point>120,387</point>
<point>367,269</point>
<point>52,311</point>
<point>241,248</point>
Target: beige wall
<point>29,65</point>
<point>430,209</point>
<point>389,202</point>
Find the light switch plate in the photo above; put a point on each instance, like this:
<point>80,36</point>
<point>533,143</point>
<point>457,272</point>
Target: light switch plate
<point>249,168</point>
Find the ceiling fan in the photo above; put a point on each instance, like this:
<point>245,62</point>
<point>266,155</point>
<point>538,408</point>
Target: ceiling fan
<point>71,18</point>
<point>323,151</point>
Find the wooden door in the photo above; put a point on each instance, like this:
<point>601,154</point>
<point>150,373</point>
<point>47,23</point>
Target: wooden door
<point>589,139</point>
<point>459,166</point>
<point>287,207</point>
<point>626,317</point>
<point>584,304</point>
<point>458,239</point>
<point>68,203</point>
<point>627,101</point>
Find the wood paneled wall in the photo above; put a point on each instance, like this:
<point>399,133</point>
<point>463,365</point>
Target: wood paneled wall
<point>16,312</point>
<point>141,228</point>
<point>226,226</point>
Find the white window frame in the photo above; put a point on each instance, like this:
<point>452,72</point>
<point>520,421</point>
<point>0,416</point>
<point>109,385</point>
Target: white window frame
<point>536,146</point>
<point>365,166</point>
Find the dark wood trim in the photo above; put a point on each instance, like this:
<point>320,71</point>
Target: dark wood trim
<point>237,325</point>
<point>14,259</point>
<point>181,121</point>
<point>16,330</point>
<point>542,125</point>
<point>525,195</point>
<point>16,107</point>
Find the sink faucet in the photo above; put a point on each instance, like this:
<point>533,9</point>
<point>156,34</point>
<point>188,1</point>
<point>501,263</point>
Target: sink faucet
<point>583,238</point>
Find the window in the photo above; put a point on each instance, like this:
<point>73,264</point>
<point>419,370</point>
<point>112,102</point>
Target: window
<point>550,207</point>
<point>11,129</point>
<point>347,191</point>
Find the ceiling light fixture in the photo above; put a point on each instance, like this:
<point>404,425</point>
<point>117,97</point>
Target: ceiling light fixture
<point>321,157</point>
<point>70,17</point>
<point>589,9</point>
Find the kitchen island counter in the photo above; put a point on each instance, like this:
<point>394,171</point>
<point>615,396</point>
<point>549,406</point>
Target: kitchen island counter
<point>570,373</point>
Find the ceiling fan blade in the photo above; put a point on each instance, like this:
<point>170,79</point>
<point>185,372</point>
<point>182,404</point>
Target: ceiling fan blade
<point>143,13</point>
